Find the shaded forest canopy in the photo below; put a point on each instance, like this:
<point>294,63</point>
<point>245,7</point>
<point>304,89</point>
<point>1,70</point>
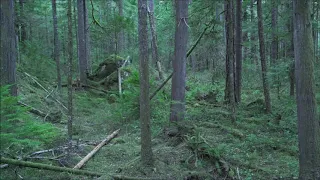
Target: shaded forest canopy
<point>200,89</point>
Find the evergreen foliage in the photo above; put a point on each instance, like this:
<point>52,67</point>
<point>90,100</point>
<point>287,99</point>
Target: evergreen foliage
<point>19,130</point>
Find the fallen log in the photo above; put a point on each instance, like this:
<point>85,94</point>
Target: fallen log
<point>96,149</point>
<point>54,117</point>
<point>48,167</point>
<point>33,110</point>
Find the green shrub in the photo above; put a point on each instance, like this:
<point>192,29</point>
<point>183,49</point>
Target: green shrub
<point>18,130</point>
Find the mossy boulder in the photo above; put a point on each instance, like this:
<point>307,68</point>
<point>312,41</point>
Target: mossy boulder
<point>107,67</point>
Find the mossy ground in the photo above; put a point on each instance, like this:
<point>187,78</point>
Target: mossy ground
<point>255,147</point>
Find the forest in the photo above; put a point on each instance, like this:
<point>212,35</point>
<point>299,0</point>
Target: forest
<point>160,89</point>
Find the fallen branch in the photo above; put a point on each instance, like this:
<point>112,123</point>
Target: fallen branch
<point>120,177</point>
<point>45,90</point>
<point>96,149</point>
<point>61,148</point>
<point>188,54</point>
<point>48,167</point>
<point>161,86</point>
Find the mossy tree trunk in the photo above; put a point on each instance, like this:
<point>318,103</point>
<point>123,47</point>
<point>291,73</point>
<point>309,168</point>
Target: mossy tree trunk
<point>308,122</point>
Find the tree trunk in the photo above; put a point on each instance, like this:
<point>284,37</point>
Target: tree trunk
<point>229,90</point>
<point>274,36</point>
<point>266,88</point>
<point>70,56</point>
<point>56,43</point>
<point>155,53</point>
<point>308,122</point>
<point>83,62</point>
<point>291,54</point>
<point>177,108</point>
<point>316,7</point>
<point>146,150</point>
<point>238,51</point>
<point>8,46</point>
<point>121,33</point>
<point>87,37</point>
<point>22,22</point>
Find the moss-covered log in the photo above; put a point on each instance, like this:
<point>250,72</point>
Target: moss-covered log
<point>48,167</point>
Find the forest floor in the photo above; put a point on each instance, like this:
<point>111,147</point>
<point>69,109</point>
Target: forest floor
<point>256,146</point>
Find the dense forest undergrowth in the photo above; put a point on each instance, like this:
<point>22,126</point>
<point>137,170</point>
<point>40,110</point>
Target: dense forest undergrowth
<point>180,89</point>
<point>257,146</point>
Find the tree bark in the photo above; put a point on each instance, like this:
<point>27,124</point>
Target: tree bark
<point>56,43</point>
<point>70,93</point>
<point>238,51</point>
<point>146,150</point>
<point>177,109</point>
<point>82,55</point>
<point>308,122</point>
<point>8,48</point>
<point>266,88</point>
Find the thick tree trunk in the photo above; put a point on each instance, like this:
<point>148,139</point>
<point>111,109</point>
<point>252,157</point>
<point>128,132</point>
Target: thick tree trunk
<point>70,93</point>
<point>177,109</point>
<point>82,55</point>
<point>56,43</point>
<point>229,90</point>
<point>238,51</point>
<point>8,48</point>
<point>266,88</point>
<point>146,150</point>
<point>308,120</point>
